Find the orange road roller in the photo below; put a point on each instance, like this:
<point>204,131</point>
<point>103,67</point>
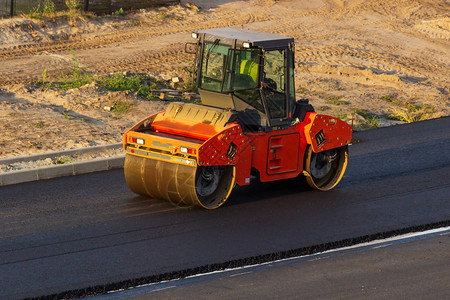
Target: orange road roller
<point>248,125</point>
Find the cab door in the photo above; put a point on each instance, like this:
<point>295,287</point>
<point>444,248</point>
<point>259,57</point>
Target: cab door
<point>274,86</point>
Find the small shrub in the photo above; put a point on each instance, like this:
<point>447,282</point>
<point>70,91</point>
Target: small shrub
<point>73,5</point>
<point>48,7</point>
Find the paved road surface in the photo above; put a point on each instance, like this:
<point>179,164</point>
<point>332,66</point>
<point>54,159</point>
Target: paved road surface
<point>76,232</point>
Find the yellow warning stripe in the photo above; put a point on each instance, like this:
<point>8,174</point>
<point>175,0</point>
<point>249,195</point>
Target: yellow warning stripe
<point>161,157</point>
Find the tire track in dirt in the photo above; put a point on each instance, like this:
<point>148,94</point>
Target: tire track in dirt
<point>148,61</point>
<point>383,63</point>
<point>134,33</point>
<point>336,56</point>
<point>144,62</point>
<point>171,57</point>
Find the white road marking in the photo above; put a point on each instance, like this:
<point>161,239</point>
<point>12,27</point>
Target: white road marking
<point>239,274</point>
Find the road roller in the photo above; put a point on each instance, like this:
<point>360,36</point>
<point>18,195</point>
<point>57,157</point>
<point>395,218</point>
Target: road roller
<point>248,125</point>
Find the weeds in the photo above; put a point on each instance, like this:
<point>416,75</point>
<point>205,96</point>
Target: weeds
<point>388,98</point>
<point>120,107</point>
<point>74,10</point>
<point>45,82</point>
<point>63,160</point>
<point>324,107</point>
<point>73,5</point>
<point>372,121</point>
<point>163,15</point>
<point>39,125</point>
<point>413,113</point>
<point>335,100</point>
<point>47,9</point>
<point>302,90</point>
<point>409,111</point>
<point>78,76</point>
<point>135,23</point>
<point>118,12</point>
<point>340,115</point>
<point>66,115</point>
<point>190,85</point>
<point>140,84</point>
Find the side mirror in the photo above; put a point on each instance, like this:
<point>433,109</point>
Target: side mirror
<point>191,48</point>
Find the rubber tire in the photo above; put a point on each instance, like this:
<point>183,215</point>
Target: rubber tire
<point>333,176</point>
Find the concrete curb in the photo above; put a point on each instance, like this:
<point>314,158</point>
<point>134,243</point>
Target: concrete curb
<point>12,160</point>
<point>83,167</point>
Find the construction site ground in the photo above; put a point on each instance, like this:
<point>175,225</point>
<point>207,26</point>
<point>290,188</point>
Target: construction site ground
<point>373,63</point>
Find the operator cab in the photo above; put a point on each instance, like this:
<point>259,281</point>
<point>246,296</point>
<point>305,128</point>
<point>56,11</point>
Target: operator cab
<point>249,72</point>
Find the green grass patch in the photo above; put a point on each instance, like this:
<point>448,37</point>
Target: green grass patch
<point>77,77</point>
<point>340,115</point>
<point>120,107</point>
<point>141,84</point>
<point>74,81</point>
<point>413,113</point>
<point>336,100</point>
<point>388,98</point>
<point>372,121</point>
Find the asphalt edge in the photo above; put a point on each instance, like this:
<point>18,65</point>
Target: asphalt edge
<point>131,283</point>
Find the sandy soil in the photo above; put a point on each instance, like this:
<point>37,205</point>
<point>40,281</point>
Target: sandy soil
<point>381,56</point>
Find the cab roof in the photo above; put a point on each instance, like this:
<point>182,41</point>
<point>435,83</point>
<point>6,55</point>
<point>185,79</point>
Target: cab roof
<point>257,39</point>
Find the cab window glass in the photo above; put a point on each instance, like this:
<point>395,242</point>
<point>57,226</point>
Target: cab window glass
<point>213,66</point>
<point>274,83</point>
<point>244,76</point>
<point>243,70</point>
